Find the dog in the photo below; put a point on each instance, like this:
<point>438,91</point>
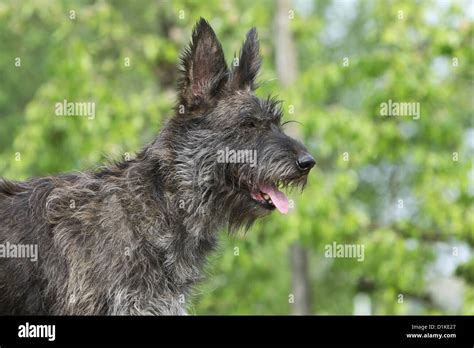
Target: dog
<point>131,238</point>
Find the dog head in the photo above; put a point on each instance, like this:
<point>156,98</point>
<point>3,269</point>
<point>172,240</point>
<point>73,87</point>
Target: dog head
<point>229,147</point>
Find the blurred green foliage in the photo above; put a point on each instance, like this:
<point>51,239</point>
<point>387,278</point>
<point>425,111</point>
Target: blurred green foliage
<point>366,163</point>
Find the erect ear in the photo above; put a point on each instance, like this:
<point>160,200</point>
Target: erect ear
<point>248,65</point>
<point>203,68</point>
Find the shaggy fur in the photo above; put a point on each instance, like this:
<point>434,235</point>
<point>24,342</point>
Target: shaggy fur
<point>131,238</point>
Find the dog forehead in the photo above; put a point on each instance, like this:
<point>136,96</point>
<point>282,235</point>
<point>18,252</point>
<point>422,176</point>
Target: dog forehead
<point>234,103</point>
<point>243,103</point>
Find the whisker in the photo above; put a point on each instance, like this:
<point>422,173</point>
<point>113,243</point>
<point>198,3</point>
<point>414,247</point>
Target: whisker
<point>290,121</point>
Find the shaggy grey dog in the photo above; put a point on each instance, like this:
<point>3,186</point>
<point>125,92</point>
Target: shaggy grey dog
<point>132,238</point>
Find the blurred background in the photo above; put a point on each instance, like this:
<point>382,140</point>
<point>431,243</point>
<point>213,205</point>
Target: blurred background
<point>402,188</point>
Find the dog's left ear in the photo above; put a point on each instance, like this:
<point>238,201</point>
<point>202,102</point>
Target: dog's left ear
<point>204,71</point>
<point>245,70</point>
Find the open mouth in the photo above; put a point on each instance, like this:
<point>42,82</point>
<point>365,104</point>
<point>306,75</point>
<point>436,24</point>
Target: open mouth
<point>270,198</point>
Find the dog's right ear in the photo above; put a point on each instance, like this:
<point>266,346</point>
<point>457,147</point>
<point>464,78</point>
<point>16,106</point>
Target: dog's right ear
<point>204,71</point>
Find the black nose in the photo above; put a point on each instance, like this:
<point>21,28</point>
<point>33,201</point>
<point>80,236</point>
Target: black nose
<point>305,161</point>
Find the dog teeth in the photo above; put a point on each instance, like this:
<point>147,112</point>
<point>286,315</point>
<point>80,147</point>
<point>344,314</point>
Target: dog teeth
<point>270,201</point>
<point>265,196</point>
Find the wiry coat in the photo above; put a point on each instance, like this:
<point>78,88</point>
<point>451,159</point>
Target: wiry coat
<point>132,238</point>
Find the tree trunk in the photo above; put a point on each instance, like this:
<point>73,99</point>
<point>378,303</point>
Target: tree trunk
<point>300,280</point>
<point>286,65</point>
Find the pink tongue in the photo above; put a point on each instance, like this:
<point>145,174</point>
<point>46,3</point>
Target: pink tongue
<point>278,198</point>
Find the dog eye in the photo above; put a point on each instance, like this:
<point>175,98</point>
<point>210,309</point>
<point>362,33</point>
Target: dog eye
<point>250,123</point>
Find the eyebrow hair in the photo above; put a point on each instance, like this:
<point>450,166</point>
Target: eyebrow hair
<point>272,106</point>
